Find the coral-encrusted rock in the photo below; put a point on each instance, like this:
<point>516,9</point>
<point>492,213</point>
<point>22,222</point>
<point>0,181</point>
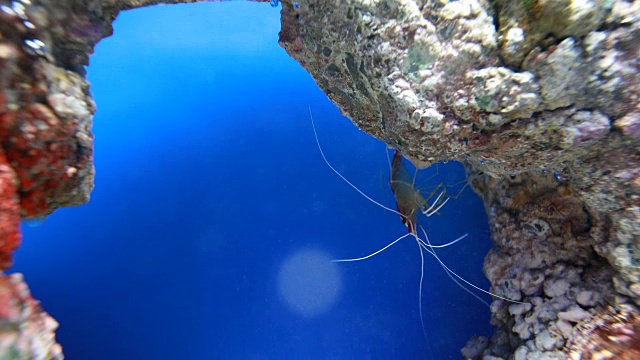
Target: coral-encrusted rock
<point>426,78</point>
<point>26,331</point>
<point>554,89</point>
<point>45,105</point>
<point>543,257</point>
<point>523,24</point>
<point>9,213</point>
<point>545,111</point>
<point>613,333</point>
<point>45,114</point>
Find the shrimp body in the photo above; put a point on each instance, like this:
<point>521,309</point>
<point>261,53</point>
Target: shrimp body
<point>408,200</point>
<point>409,203</point>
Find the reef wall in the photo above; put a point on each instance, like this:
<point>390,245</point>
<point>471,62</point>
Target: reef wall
<point>539,98</point>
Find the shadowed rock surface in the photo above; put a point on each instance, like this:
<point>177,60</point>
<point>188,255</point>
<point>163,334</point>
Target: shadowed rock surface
<point>539,99</point>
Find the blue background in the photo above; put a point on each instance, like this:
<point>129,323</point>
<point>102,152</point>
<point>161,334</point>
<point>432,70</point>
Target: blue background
<point>208,179</point>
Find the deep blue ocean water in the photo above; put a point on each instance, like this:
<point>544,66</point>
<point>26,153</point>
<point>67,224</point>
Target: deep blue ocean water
<point>209,231</point>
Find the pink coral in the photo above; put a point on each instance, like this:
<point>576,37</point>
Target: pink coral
<point>9,213</point>
<point>26,331</point>
<point>45,117</point>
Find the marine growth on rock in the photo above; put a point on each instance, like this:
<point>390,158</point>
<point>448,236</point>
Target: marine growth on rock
<point>516,90</point>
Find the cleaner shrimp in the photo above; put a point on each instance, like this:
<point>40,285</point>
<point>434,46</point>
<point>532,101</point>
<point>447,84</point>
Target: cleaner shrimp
<point>409,203</point>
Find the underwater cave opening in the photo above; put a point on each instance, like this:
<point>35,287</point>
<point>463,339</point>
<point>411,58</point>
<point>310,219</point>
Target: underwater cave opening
<point>208,179</point>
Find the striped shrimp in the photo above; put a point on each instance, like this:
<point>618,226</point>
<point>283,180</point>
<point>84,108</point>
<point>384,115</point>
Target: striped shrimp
<point>410,202</point>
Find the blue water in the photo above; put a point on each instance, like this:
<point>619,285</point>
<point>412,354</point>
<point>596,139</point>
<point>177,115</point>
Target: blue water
<point>209,183</point>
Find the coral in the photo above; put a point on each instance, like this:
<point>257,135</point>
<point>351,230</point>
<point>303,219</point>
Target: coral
<point>629,124</point>
<point>46,117</point>
<point>543,256</point>
<point>538,98</point>
<point>559,73</point>
<point>474,347</point>
<point>399,66</point>
<point>26,331</point>
<point>9,213</point>
<point>524,24</point>
<point>542,109</point>
<point>612,333</point>
<point>507,94</point>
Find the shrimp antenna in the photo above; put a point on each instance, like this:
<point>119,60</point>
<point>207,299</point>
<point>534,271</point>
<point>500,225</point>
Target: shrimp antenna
<point>315,133</point>
<point>424,330</point>
<point>375,253</point>
<point>431,250</point>
<point>395,241</point>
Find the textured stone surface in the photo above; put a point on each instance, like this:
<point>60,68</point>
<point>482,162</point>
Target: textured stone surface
<point>543,110</point>
<point>538,98</point>
<point>543,255</point>
<point>45,117</point>
<point>26,331</point>
<point>9,213</point>
<point>45,109</point>
<point>612,333</point>
<point>426,76</point>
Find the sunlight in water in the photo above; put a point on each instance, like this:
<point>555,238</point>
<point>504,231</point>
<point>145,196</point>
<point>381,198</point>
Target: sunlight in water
<point>309,283</point>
